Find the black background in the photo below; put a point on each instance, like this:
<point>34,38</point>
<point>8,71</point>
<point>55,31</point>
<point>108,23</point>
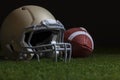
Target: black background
<point>101,19</point>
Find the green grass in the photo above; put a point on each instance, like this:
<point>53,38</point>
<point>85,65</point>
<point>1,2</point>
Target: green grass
<point>103,64</point>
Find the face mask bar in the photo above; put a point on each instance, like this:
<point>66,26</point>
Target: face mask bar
<point>62,48</point>
<point>56,48</point>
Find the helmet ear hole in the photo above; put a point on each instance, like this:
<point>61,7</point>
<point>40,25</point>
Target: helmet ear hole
<point>23,8</point>
<point>10,47</point>
<point>27,35</point>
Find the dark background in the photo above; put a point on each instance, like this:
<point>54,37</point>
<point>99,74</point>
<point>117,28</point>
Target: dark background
<point>101,19</point>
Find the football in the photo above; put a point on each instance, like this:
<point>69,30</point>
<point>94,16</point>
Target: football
<point>81,41</point>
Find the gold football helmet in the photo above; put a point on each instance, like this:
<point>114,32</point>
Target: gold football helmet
<point>32,30</point>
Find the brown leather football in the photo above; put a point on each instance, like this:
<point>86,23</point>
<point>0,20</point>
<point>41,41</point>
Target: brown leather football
<point>81,40</point>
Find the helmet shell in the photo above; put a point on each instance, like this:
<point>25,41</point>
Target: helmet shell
<point>14,24</point>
